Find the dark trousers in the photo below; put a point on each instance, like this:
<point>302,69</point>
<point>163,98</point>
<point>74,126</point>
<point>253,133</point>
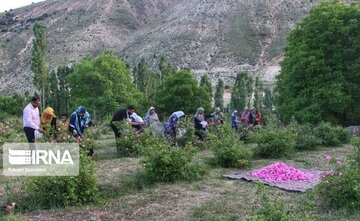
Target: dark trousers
<point>30,135</point>
<point>116,130</point>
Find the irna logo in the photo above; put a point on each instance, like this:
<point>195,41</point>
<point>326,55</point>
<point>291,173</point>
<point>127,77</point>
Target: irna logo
<point>41,159</point>
<point>26,157</point>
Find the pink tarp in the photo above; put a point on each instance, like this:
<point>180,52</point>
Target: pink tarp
<point>308,180</point>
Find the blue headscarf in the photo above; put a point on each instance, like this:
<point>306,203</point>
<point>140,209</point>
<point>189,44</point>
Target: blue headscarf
<point>178,114</point>
<point>80,109</point>
<point>86,119</point>
<point>169,126</point>
<point>76,121</point>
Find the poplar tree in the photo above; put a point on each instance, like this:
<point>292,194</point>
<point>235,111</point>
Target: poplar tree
<point>241,92</point>
<point>258,93</point>
<point>219,93</point>
<point>38,62</point>
<point>165,67</point>
<point>205,83</point>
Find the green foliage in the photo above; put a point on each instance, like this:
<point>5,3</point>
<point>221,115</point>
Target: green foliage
<point>60,89</point>
<point>10,218</point>
<point>128,143</point>
<point>205,83</point>
<point>331,136</point>
<point>342,188</point>
<point>146,81</point>
<point>268,99</point>
<point>165,67</point>
<point>219,93</point>
<point>272,210</point>
<point>356,142</point>
<point>103,84</point>
<point>61,191</point>
<point>306,141</point>
<point>142,75</point>
<point>320,74</point>
<point>274,143</point>
<point>188,137</point>
<point>38,61</point>
<point>258,93</point>
<point>181,92</point>
<point>163,163</point>
<point>241,92</point>
<point>11,106</point>
<point>94,132</point>
<point>11,131</point>
<point>305,138</point>
<point>229,151</point>
<point>267,113</point>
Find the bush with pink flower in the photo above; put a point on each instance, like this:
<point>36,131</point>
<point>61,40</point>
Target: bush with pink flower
<point>341,189</point>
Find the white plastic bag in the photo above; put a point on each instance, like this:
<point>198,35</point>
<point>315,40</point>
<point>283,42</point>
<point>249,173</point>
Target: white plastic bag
<point>203,124</point>
<point>37,135</point>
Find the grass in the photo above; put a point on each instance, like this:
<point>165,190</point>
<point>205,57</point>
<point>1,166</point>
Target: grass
<point>126,195</point>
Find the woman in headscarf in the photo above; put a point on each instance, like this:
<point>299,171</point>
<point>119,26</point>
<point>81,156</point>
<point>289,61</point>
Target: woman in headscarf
<point>151,116</point>
<point>200,123</point>
<point>48,119</point>
<point>86,120</point>
<point>245,116</point>
<point>76,125</point>
<point>153,122</point>
<point>234,119</point>
<point>217,117</point>
<point>79,120</point>
<point>172,123</point>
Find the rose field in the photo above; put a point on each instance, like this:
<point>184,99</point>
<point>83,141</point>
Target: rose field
<point>136,185</point>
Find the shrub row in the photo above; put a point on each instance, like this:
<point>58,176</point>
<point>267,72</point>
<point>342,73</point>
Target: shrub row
<point>282,142</point>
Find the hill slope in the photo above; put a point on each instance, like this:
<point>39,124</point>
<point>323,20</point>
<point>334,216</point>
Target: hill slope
<point>219,37</point>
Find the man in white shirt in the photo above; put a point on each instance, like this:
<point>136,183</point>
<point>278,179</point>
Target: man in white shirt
<point>136,122</point>
<point>31,119</point>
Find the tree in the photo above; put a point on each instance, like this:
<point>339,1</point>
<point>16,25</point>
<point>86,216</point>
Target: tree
<point>60,89</point>
<point>241,92</point>
<point>142,75</point>
<point>11,106</point>
<point>165,67</point>
<point>38,62</point>
<point>54,91</point>
<point>205,83</point>
<point>146,80</point>
<point>258,93</point>
<point>268,100</point>
<point>103,84</point>
<point>181,92</point>
<point>320,76</point>
<point>219,93</point>
<point>64,87</point>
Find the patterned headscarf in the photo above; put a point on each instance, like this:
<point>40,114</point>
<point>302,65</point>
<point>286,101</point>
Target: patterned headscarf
<point>80,109</point>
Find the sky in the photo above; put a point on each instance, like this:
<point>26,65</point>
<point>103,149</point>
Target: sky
<point>12,4</point>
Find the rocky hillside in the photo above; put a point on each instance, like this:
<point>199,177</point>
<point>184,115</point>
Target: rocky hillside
<point>218,37</point>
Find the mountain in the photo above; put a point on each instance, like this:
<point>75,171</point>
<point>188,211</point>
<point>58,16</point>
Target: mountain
<point>215,37</point>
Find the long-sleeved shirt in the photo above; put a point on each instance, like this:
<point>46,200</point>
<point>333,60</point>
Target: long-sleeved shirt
<point>31,117</point>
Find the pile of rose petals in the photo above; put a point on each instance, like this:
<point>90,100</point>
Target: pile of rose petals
<point>281,172</point>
